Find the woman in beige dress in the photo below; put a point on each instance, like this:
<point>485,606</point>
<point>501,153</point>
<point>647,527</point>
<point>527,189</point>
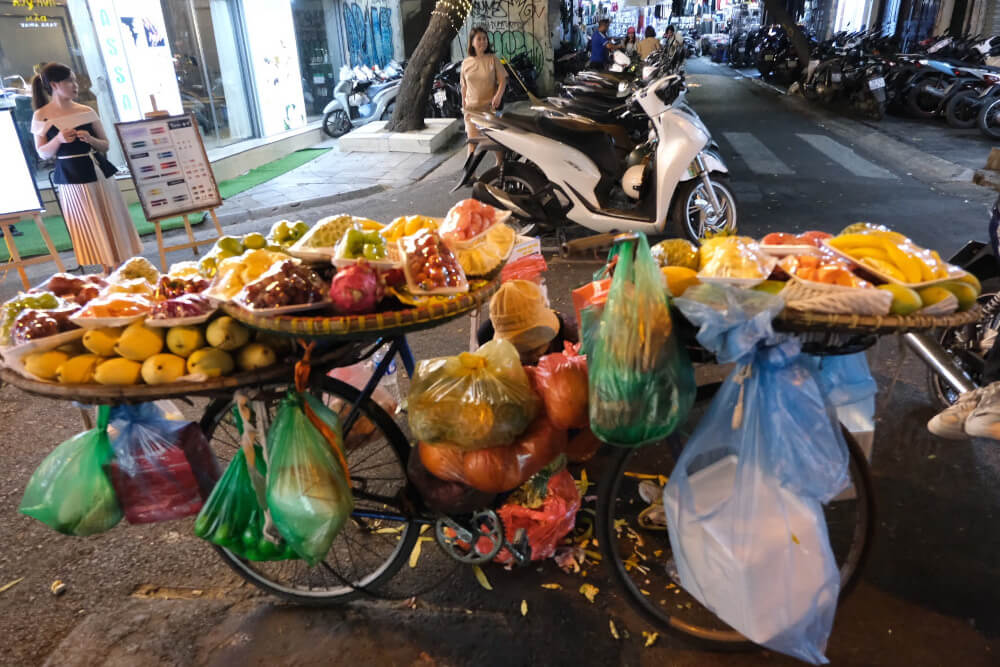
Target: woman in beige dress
<point>98,221</point>
<point>483,80</point>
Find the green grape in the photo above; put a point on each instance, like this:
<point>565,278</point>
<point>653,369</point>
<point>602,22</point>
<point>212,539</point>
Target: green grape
<point>20,303</point>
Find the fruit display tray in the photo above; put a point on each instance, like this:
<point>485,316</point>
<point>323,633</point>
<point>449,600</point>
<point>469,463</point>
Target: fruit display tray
<point>435,312</point>
<point>800,321</point>
<point>98,394</point>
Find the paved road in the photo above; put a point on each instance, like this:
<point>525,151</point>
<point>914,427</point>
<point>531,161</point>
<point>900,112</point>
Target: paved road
<point>157,595</point>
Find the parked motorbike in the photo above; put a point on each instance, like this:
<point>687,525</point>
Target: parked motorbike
<point>561,168</point>
<point>843,71</point>
<point>360,97</point>
<point>776,58</point>
<point>446,91</point>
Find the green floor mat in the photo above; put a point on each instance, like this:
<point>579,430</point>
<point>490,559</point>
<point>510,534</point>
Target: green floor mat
<point>31,244</point>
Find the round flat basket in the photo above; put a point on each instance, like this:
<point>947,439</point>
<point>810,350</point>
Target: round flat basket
<point>799,321</point>
<point>433,313</point>
<point>807,296</point>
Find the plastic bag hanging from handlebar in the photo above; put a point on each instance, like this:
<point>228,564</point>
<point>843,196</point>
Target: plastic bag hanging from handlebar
<point>641,382</point>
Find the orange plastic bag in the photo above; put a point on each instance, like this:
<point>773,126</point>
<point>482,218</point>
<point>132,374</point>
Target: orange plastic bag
<point>594,293</point>
<point>561,380</point>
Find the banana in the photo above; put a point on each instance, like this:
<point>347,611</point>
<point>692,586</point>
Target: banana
<point>883,266</point>
<point>941,267</point>
<point>869,251</point>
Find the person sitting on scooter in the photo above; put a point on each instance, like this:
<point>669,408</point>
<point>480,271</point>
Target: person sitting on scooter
<point>630,45</point>
<point>519,314</point>
<point>648,45</point>
<point>483,80</point>
<point>600,46</point>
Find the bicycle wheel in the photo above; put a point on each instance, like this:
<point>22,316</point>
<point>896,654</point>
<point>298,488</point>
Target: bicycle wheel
<point>370,548</point>
<point>641,558</point>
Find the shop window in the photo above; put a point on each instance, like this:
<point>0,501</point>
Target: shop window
<point>319,75</point>
<point>206,61</point>
<point>33,33</point>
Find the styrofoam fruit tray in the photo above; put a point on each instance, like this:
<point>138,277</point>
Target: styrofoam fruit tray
<point>501,218</point>
<point>812,296</point>
<point>954,272</point>
<point>13,354</point>
<point>191,320</point>
<point>101,322</point>
<point>393,260</point>
<point>411,284</point>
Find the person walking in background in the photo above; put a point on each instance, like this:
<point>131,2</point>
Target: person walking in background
<point>98,221</point>
<point>672,41</point>
<point>483,80</point>
<point>648,45</point>
<point>631,47</point>
<point>600,46</point>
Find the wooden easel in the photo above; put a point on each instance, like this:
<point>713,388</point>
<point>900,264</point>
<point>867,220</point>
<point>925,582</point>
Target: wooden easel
<point>192,243</point>
<point>15,261</point>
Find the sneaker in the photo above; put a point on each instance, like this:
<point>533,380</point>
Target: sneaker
<point>950,423</point>
<point>984,421</point>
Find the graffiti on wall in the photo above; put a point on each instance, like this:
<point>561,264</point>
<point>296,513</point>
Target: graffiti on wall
<point>369,32</point>
<point>513,26</point>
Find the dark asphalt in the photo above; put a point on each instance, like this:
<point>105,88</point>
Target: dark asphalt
<point>928,596</point>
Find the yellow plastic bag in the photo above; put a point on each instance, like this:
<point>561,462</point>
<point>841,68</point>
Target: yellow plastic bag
<point>475,400</point>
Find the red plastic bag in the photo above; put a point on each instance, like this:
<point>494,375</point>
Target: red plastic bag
<point>582,446</point>
<point>530,268</point>
<point>496,469</point>
<point>448,497</point>
<point>547,525</point>
<point>153,467</point>
<point>561,380</point>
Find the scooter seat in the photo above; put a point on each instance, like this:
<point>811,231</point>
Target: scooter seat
<point>379,87</point>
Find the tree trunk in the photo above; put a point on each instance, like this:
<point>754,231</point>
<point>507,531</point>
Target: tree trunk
<point>776,8</point>
<point>420,70</point>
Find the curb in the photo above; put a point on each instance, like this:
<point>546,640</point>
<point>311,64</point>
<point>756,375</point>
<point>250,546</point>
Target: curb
<point>245,215</point>
<point>922,165</point>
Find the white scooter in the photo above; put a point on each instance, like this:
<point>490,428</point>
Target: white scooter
<point>569,170</point>
<point>361,96</point>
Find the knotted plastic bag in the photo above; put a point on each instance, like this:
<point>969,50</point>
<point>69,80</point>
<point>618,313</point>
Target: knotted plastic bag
<point>473,400</point>
<point>308,491</point>
<point>70,491</point>
<point>641,383</point>
<point>743,503</point>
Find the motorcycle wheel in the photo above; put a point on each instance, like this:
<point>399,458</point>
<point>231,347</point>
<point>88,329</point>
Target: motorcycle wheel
<point>691,206</point>
<point>336,123</point>
<point>963,109</point>
<point>921,103</point>
<point>989,119</point>
<point>518,179</point>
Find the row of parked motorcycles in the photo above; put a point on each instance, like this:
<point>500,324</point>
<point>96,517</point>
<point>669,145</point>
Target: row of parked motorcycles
<point>946,77</point>
<point>615,151</point>
<point>365,93</point>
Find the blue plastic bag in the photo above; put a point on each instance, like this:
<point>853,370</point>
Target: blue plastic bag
<point>743,503</point>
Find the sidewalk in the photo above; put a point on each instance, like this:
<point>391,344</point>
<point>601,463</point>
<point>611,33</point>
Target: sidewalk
<point>330,178</point>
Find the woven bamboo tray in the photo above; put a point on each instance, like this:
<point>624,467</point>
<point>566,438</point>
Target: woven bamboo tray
<point>95,394</point>
<point>793,320</point>
<point>376,325</point>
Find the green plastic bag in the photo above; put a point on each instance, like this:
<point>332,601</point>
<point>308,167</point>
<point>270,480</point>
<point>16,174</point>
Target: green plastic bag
<point>308,493</point>
<point>641,381</point>
<point>232,517</point>
<point>70,491</point>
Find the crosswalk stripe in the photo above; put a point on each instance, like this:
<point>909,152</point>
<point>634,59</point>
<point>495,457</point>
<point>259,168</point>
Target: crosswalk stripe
<point>845,157</point>
<point>757,156</point>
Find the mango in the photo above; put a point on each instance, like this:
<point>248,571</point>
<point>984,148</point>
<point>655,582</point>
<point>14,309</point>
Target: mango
<point>182,341</point>
<point>972,280</point>
<point>934,295</point>
<point>79,369</point>
<point>102,341</point>
<point>227,334</point>
<point>254,356</point>
<point>118,371</point>
<point>45,365</point>
<point>770,286</point>
<point>964,291</point>
<point>679,278</point>
<point>139,342</point>
<point>162,368</point>
<point>904,299</point>
<point>211,362</point>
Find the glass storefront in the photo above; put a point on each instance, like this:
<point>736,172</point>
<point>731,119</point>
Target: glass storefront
<point>246,69</point>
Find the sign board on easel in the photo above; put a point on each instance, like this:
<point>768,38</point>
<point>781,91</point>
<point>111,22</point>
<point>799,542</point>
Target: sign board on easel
<point>173,177</point>
<point>19,198</point>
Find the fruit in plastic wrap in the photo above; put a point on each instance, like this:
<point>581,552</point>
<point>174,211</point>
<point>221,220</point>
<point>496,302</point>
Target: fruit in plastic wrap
<point>13,307</point>
<point>474,400</point>
<point>356,290</point>
<point>430,264</point>
<point>822,269</point>
<point>893,255</point>
<point>72,288</point>
<point>734,257</point>
<point>187,305</point>
<point>227,334</point>
<point>171,287</point>
<point>286,283</point>
<point>327,232</point>
<point>116,305</point>
<point>407,225</point>
<point>34,324</point>
<point>135,268</point>
<point>676,252</point>
<point>139,342</point>
<point>467,219</point>
<point>360,244</point>
<point>560,379</point>
<point>679,278</point>
<point>484,257</point>
<point>210,362</point>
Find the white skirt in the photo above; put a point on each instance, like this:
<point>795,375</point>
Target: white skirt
<point>99,222</point>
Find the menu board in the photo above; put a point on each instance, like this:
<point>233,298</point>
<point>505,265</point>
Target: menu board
<point>18,193</point>
<point>169,165</point>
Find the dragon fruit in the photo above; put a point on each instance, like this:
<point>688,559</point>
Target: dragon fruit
<point>356,290</point>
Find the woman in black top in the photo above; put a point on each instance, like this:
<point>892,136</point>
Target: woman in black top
<point>96,216</point>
